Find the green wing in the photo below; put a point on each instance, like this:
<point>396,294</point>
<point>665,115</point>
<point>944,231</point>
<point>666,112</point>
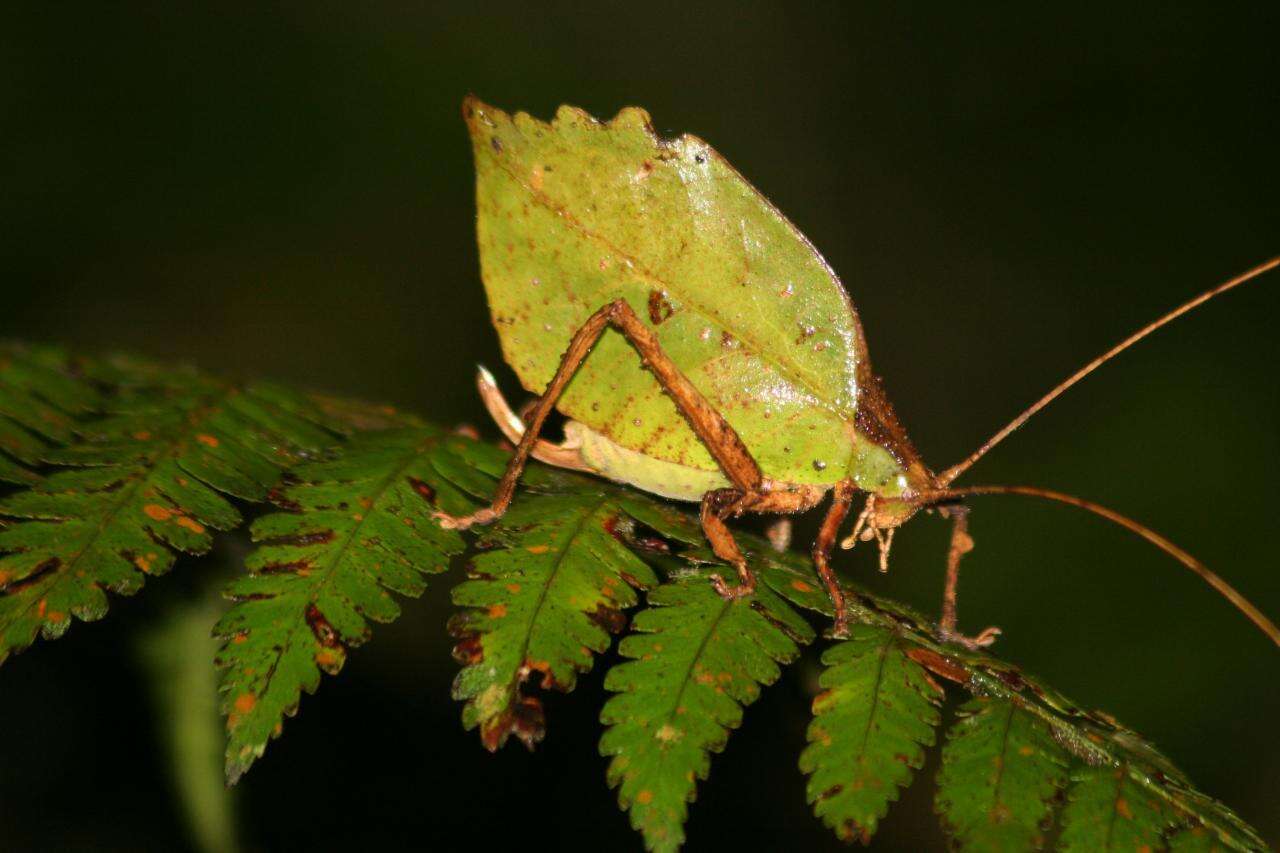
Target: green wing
<point>575,213</point>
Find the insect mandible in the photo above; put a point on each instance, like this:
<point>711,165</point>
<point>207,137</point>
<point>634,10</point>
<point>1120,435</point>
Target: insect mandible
<point>703,350</point>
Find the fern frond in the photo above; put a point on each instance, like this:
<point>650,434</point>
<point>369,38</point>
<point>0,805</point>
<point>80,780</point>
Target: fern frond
<point>147,479</point>
<point>695,660</point>
<point>357,526</point>
<point>1001,770</point>
<point>871,725</point>
<point>544,601</point>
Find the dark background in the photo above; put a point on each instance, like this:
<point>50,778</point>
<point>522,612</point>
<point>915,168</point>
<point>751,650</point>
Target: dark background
<point>288,193</point>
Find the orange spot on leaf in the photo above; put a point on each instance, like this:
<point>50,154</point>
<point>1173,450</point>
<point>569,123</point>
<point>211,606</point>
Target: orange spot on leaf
<point>801,586</point>
<point>190,523</point>
<point>644,797</point>
<point>538,549</point>
<point>939,665</point>
<point>207,440</point>
<point>245,702</point>
<point>157,512</point>
<point>497,611</point>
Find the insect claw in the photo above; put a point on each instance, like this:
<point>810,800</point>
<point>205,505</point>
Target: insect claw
<point>987,636</point>
<point>730,593</point>
<point>984,638</point>
<point>485,515</point>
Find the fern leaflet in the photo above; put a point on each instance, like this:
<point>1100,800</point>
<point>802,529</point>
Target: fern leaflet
<point>41,400</point>
<point>1001,770</point>
<point>356,526</point>
<point>696,659</point>
<point>1107,810</point>
<point>548,598</point>
<point>871,724</point>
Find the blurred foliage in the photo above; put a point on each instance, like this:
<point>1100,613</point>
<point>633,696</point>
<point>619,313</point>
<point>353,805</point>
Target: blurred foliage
<point>175,652</point>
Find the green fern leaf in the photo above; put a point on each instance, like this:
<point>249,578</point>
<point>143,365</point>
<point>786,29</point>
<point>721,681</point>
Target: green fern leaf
<point>148,479</point>
<point>1108,810</point>
<point>358,526</point>
<point>1211,825</point>
<point>41,400</point>
<point>696,659</point>
<point>12,472</point>
<point>871,724</point>
<point>1199,840</point>
<point>544,602</point>
<point>1001,770</point>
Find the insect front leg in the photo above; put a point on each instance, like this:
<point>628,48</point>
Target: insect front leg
<point>961,544</point>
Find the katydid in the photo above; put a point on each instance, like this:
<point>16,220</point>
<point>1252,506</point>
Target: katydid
<point>703,350</point>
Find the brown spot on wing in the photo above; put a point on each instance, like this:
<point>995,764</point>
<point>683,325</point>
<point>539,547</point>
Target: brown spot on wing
<point>660,309</point>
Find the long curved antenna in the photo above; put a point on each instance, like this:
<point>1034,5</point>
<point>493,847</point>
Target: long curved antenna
<point>1225,589</point>
<point>948,476</point>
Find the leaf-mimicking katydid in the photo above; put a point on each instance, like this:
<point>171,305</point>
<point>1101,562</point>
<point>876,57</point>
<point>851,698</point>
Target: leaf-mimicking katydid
<point>703,350</point>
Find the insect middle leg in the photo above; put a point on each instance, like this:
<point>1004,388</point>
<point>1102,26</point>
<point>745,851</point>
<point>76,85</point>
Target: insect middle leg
<point>717,435</point>
<point>836,514</point>
<point>726,503</point>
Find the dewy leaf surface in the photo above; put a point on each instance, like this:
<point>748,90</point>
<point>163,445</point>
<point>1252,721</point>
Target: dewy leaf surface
<point>149,478</point>
<point>695,660</point>
<point>875,716</point>
<point>1001,770</point>
<point>543,601</point>
<point>575,213</point>
<point>359,526</point>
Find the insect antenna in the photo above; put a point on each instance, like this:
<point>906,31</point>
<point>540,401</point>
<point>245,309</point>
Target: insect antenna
<point>948,476</point>
<point>1225,589</point>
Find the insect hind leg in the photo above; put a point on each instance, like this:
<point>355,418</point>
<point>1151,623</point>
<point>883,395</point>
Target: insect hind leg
<point>717,435</point>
